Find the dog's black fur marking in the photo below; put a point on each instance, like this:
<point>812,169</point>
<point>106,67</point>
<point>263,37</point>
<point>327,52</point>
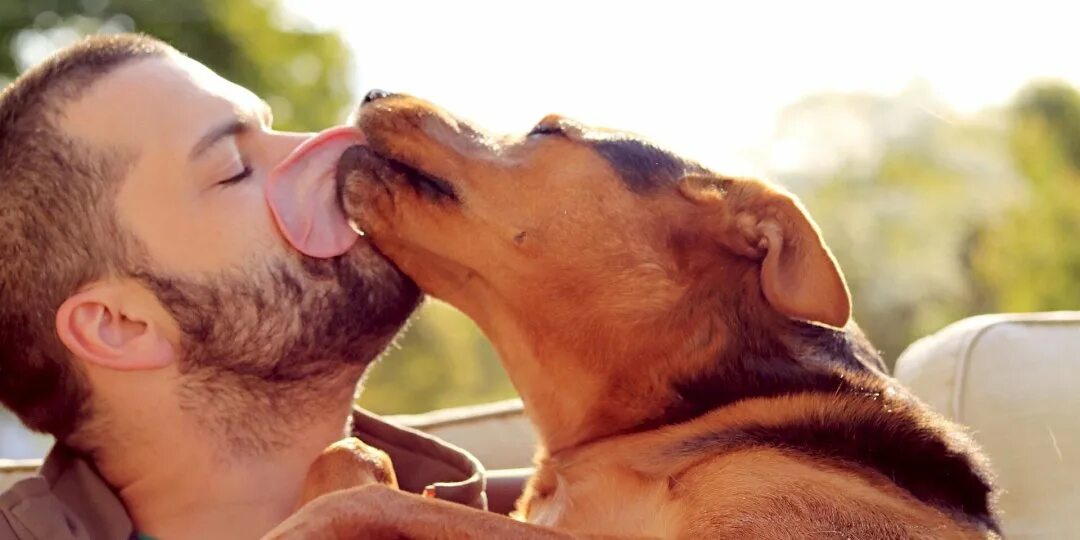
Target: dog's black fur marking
<point>895,440</point>
<point>643,167</point>
<point>915,457</point>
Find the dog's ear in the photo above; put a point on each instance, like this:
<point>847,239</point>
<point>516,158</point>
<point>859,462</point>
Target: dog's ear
<point>799,276</point>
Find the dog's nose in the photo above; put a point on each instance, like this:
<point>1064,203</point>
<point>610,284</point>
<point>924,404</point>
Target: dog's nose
<point>375,94</point>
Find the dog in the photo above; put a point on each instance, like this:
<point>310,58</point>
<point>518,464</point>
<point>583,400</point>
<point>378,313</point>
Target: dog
<point>348,463</point>
<point>682,341</point>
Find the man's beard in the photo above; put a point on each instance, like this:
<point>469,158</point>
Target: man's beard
<point>262,353</point>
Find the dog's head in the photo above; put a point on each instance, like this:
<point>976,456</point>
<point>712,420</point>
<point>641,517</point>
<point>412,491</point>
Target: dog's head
<point>576,221</point>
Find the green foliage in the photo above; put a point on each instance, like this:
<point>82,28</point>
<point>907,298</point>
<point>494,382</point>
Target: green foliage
<point>1057,107</point>
<point>899,212</point>
<point>1029,258</point>
<point>953,218</point>
<point>303,74</point>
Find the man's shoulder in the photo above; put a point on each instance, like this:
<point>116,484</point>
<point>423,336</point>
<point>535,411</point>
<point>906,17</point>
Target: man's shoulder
<point>29,509</point>
<point>18,481</point>
<point>14,470</point>
<point>65,498</point>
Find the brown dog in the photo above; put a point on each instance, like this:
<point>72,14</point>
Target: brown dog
<point>682,342</point>
<point>348,463</point>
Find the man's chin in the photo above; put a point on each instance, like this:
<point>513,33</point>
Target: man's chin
<point>292,318</point>
<point>289,340</point>
<point>356,305</point>
<point>392,295</point>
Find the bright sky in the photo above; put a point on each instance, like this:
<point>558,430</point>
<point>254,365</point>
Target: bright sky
<point>704,78</point>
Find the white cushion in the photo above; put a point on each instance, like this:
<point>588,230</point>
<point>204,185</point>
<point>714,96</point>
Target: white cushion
<point>1015,381</point>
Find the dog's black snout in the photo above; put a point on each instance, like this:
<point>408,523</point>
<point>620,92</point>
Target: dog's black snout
<point>375,94</point>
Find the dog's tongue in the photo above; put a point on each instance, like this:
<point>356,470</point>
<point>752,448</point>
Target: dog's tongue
<point>302,195</point>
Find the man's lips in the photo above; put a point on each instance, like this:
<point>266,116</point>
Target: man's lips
<point>302,194</point>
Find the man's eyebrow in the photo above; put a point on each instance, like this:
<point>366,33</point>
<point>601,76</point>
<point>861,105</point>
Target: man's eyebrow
<point>234,126</point>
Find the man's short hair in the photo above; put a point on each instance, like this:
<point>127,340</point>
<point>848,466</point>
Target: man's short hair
<point>57,226</point>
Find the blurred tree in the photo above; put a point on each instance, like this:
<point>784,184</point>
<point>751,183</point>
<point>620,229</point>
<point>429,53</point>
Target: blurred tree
<point>301,72</point>
<point>897,186</point>
<point>1029,258</point>
<point>933,217</point>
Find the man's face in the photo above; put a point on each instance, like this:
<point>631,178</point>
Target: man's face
<point>251,312</point>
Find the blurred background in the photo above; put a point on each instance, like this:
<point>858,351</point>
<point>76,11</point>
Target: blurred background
<point>937,144</point>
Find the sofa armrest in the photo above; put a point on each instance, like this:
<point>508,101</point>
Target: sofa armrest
<point>13,470</point>
<point>1012,379</point>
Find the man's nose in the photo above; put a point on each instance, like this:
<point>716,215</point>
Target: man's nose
<point>283,144</point>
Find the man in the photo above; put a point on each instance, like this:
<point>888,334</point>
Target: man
<point>189,363</point>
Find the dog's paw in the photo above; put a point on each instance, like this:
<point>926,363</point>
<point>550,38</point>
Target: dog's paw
<point>346,464</point>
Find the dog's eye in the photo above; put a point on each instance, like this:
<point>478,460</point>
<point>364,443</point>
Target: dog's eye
<point>547,129</point>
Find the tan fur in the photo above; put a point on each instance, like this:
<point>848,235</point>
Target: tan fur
<point>598,299</point>
<point>760,493</point>
<point>348,463</point>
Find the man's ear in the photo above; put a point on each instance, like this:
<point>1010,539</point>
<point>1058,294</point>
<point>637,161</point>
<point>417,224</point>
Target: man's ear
<point>799,276</point>
<point>105,325</point>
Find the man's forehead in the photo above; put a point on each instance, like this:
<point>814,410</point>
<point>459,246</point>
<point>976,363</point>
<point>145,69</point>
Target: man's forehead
<point>213,85</point>
<point>171,97</point>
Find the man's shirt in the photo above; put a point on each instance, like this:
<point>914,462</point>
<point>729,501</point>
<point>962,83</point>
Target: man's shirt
<point>69,500</point>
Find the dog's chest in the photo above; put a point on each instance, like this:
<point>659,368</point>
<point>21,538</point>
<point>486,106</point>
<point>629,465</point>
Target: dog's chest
<point>611,503</point>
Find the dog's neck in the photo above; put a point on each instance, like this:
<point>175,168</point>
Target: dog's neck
<point>575,396</point>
